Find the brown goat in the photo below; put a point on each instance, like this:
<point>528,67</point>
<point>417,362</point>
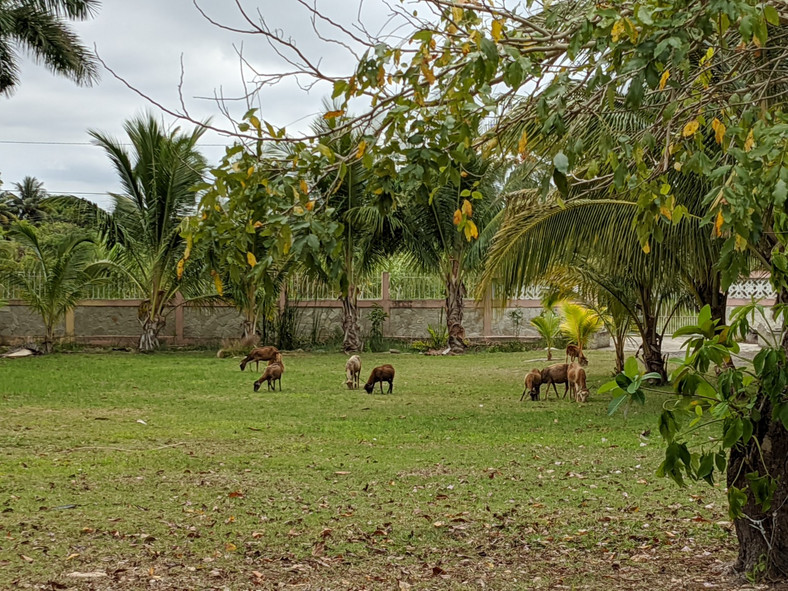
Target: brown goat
<point>533,383</point>
<point>353,372</point>
<point>259,354</point>
<point>555,374</point>
<point>384,373</point>
<point>573,352</point>
<point>578,390</point>
<point>272,373</point>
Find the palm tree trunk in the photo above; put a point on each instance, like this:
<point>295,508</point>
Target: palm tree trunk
<point>49,338</point>
<point>455,292</point>
<point>149,339</point>
<point>619,340</point>
<point>351,341</point>
<point>763,535</point>
<point>652,347</point>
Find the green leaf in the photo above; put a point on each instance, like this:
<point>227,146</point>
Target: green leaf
<point>771,15</point>
<point>607,387</point>
<point>561,162</point>
<point>733,432</point>
<point>736,501</point>
<point>616,403</point>
<point>631,368</point>
<point>644,16</point>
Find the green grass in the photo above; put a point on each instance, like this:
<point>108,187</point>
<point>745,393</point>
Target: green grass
<point>449,482</point>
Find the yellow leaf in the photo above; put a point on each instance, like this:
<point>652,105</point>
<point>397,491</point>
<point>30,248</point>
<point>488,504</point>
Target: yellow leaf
<point>180,268</point>
<point>466,48</point>
<point>303,186</point>
<point>333,114</point>
<point>690,128</point>
<point>749,142</point>
<point>497,30</point>
<point>230,547</point>
<point>251,259</point>
<point>217,281</point>
<point>719,130</point>
<point>741,243</point>
<point>255,122</point>
<point>467,208</point>
<point>677,166</point>
<point>258,224</point>
<point>473,228</point>
<point>456,14</point>
<point>188,251</point>
<point>72,556</point>
<point>619,30</point>
<point>523,143</point>
<point>646,248</point>
<point>457,217</point>
<point>467,231</point>
<point>666,212</point>
<point>428,73</point>
<point>310,205</point>
<point>718,224</point>
<point>381,76</point>
<point>664,79</point>
<point>362,147</point>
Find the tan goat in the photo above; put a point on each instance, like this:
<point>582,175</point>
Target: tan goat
<point>573,352</point>
<point>533,383</point>
<point>353,372</point>
<point>578,390</point>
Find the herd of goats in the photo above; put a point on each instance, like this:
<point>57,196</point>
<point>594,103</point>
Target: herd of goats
<point>570,373</point>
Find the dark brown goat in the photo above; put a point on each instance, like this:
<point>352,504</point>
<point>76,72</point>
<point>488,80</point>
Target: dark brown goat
<point>555,374</point>
<point>259,354</point>
<point>272,373</point>
<point>384,373</point>
<point>533,383</point>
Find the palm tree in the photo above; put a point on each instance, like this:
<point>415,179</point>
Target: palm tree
<point>58,276</point>
<point>579,323</point>
<point>27,203</point>
<point>435,245</point>
<point>370,227</point>
<point>548,325</point>
<point>158,176</point>
<point>40,28</point>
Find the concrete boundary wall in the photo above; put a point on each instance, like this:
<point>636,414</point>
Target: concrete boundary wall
<point>115,323</point>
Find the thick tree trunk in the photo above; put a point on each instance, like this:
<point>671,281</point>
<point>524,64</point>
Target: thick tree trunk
<point>149,339</point>
<point>652,347</point>
<point>351,341</point>
<point>717,301</point>
<point>455,292</point>
<point>763,535</point>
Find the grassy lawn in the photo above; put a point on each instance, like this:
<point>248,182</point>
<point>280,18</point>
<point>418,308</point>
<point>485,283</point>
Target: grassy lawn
<point>124,471</point>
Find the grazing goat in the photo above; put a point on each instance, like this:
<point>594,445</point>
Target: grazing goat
<point>555,374</point>
<point>272,373</point>
<point>533,383</point>
<point>573,352</point>
<point>353,372</point>
<point>384,373</point>
<point>577,383</point>
<point>259,354</point>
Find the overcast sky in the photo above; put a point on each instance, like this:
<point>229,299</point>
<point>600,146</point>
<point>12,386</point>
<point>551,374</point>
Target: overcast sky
<point>44,124</point>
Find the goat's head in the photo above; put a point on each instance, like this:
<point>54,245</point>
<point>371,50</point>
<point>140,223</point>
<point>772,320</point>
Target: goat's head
<point>369,388</point>
<point>257,386</point>
<point>582,395</point>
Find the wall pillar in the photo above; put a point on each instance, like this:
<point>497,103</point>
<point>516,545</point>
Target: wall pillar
<point>385,301</point>
<point>70,325</point>
<point>487,315</point>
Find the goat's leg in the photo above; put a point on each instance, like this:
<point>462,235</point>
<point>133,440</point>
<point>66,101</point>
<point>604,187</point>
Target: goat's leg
<point>523,396</point>
<point>391,386</point>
